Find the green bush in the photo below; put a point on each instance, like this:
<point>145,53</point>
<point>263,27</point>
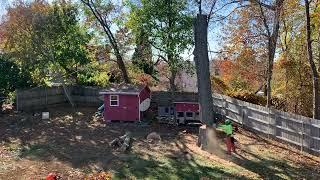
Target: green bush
<point>12,77</point>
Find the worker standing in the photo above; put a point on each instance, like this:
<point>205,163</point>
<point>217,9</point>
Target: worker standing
<point>228,129</point>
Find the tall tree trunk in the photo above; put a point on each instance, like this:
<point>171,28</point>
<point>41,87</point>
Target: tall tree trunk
<point>170,56</point>
<point>272,44</point>
<point>313,67</point>
<point>202,64</point>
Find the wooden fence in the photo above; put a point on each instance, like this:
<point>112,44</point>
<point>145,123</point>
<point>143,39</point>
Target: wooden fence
<point>298,130</point>
<point>41,97</point>
<point>295,129</point>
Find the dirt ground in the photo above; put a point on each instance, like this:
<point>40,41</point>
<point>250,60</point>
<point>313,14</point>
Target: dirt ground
<point>74,145</point>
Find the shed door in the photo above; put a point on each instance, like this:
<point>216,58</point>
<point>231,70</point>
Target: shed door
<point>130,108</point>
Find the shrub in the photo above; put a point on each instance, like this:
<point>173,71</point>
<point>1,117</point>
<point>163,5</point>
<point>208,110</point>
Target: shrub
<point>276,102</point>
<point>249,97</point>
<point>12,77</point>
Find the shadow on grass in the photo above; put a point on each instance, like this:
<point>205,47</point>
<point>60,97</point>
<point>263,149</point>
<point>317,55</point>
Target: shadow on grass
<point>76,140</point>
<point>169,168</point>
<point>271,168</point>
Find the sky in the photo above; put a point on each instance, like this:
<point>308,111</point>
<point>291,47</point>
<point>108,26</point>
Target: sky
<point>3,4</point>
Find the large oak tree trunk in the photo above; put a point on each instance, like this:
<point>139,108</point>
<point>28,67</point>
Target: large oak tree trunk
<point>202,65</point>
<point>313,67</point>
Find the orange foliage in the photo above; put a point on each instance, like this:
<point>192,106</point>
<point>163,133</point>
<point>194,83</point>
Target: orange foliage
<point>226,67</point>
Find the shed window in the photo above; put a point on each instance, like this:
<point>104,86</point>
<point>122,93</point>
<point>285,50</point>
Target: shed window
<point>171,111</point>
<point>180,114</point>
<point>114,100</point>
<point>189,114</point>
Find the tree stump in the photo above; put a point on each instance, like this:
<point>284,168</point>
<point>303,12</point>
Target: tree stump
<point>207,139</point>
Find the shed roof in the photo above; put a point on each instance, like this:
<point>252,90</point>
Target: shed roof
<point>165,98</point>
<point>123,89</point>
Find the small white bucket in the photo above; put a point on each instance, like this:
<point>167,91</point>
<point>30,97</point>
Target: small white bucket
<point>45,115</point>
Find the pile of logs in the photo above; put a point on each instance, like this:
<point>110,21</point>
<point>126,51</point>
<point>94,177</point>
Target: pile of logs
<point>123,142</point>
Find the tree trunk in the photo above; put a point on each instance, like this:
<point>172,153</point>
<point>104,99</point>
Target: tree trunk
<point>269,73</point>
<point>172,79</point>
<point>122,68</point>
<point>202,64</point>
<point>313,67</point>
<point>272,44</point>
<point>170,56</point>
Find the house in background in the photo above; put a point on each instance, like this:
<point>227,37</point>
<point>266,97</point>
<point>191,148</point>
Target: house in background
<point>125,102</point>
<point>187,82</point>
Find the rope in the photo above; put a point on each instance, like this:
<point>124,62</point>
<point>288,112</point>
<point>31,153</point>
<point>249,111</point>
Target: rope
<point>67,95</point>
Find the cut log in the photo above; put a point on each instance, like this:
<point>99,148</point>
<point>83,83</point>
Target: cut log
<point>123,142</point>
<point>115,143</point>
<point>126,143</point>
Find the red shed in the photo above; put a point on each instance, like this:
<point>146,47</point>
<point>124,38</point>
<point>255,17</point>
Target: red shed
<point>187,106</point>
<point>187,112</point>
<point>125,102</point>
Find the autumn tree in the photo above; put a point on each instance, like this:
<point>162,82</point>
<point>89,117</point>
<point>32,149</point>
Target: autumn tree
<point>245,49</point>
<point>103,12</point>
<point>45,39</point>
<point>60,39</point>
<point>167,27</point>
<point>310,57</point>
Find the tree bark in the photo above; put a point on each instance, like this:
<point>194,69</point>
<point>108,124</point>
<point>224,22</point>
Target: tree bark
<point>202,65</point>
<point>313,67</point>
<point>172,80</point>
<point>272,44</point>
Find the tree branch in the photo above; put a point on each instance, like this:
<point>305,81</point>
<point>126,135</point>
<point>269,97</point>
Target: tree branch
<point>264,20</point>
<point>223,6</point>
<point>258,2</point>
<point>211,9</point>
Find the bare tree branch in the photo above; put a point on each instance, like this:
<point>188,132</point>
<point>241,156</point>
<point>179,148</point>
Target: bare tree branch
<point>264,20</point>
<point>223,6</point>
<point>258,2</point>
<point>228,15</point>
<point>211,9</point>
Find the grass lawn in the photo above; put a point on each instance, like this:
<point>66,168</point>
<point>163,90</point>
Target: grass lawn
<point>73,145</point>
